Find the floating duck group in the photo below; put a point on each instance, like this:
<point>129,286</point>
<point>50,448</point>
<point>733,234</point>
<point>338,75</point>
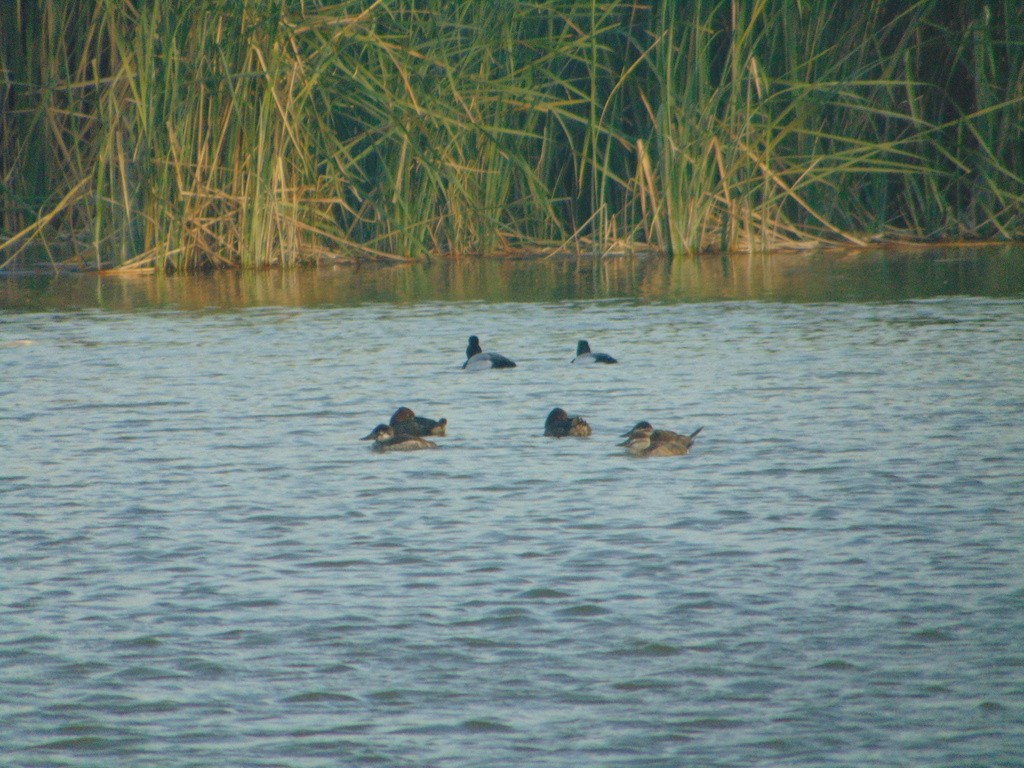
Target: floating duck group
<point>406,431</point>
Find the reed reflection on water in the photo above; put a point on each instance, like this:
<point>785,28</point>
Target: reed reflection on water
<point>883,275</point>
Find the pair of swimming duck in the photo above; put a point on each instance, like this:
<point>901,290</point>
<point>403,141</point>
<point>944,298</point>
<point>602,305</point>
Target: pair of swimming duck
<point>478,360</point>
<point>642,440</point>
<point>408,432</point>
<point>645,440</point>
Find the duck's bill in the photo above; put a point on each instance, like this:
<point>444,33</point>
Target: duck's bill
<point>368,437</point>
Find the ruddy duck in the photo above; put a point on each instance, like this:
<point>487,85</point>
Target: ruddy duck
<point>477,359</point>
<point>405,422</point>
<point>561,424</point>
<point>585,357</point>
<point>385,440</point>
<point>645,440</point>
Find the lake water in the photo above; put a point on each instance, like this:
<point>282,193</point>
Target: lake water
<point>202,564</point>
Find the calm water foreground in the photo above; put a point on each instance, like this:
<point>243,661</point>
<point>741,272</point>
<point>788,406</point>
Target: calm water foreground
<point>202,564</point>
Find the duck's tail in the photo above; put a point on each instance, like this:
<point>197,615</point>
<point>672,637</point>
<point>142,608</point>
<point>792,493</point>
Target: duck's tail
<point>697,432</point>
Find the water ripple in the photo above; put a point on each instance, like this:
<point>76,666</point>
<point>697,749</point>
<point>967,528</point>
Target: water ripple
<point>204,565</point>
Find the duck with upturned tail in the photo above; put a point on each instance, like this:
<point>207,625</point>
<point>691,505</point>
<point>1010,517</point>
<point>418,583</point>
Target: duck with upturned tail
<point>561,424</point>
<point>404,421</point>
<point>644,440</point>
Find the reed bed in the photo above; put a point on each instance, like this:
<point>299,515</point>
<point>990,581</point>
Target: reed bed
<point>193,135</point>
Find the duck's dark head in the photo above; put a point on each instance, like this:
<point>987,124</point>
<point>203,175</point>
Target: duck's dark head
<point>582,347</point>
<point>402,414</point>
<point>380,433</point>
<point>556,415</point>
<point>474,347</point>
<point>639,429</point>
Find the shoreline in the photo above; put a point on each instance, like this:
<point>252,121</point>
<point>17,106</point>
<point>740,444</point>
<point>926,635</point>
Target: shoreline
<point>77,265</point>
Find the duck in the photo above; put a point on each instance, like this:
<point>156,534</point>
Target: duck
<point>405,422</point>
<point>644,440</point>
<point>385,440</point>
<point>477,359</point>
<point>585,357</point>
<point>561,424</point>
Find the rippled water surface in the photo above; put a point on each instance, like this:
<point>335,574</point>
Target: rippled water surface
<point>203,565</point>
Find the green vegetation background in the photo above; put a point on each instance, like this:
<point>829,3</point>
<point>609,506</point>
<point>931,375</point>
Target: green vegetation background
<point>186,134</point>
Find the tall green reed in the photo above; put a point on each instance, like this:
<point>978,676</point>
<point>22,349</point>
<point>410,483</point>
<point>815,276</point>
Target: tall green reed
<point>189,135</point>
